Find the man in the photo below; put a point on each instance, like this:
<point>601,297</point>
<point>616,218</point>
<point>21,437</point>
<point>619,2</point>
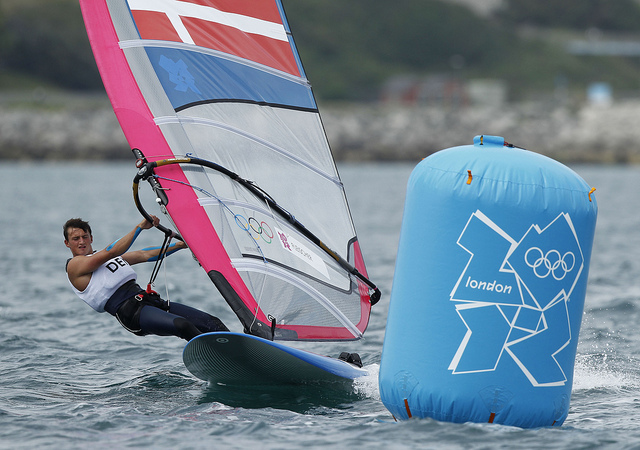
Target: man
<point>105,281</point>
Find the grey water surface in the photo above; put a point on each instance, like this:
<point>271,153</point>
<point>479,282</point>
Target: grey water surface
<point>71,378</point>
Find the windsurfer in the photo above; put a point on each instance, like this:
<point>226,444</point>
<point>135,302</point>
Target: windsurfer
<point>105,281</point>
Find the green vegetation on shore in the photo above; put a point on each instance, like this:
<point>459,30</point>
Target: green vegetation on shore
<point>350,48</point>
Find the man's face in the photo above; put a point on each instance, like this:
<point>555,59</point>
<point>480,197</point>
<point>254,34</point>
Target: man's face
<point>79,242</point>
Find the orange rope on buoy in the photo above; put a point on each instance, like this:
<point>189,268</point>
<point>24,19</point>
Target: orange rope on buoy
<point>406,405</point>
<point>591,192</point>
<point>481,139</point>
<point>470,177</point>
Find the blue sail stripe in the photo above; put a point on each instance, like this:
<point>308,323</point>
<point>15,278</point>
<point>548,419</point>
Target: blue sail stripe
<point>181,46</point>
<point>193,78</point>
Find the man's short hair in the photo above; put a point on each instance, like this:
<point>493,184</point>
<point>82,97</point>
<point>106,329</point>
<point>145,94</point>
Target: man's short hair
<point>76,223</point>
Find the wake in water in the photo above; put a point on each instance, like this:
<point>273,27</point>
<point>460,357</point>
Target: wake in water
<point>595,372</point>
<point>367,386</point>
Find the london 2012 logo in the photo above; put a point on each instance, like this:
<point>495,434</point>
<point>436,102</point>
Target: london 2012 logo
<point>513,297</point>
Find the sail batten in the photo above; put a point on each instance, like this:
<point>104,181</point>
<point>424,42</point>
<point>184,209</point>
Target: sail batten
<point>225,126</point>
<point>221,82</point>
<point>147,43</point>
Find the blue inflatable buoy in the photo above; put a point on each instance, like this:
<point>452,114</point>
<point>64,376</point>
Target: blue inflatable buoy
<point>489,288</point>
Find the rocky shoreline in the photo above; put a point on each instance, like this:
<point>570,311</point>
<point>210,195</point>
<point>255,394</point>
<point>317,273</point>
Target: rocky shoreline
<point>590,134</point>
<point>602,134</point>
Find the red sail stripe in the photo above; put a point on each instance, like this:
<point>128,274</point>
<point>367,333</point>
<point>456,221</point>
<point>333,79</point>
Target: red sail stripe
<point>259,9</point>
<point>269,52</point>
<point>261,49</point>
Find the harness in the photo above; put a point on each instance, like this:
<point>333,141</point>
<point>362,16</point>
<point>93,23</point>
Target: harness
<point>129,312</point>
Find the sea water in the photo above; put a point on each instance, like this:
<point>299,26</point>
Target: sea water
<point>72,378</point>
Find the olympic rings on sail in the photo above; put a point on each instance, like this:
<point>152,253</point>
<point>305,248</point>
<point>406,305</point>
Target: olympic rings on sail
<point>551,263</point>
<point>262,229</point>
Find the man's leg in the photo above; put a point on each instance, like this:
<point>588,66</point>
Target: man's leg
<point>205,322</point>
<point>157,321</point>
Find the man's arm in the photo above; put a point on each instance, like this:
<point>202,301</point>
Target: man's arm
<point>151,253</point>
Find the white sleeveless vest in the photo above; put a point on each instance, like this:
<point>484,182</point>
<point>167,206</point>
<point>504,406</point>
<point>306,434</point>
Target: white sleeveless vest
<point>105,281</point>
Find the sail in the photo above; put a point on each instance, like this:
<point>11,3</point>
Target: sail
<point>221,81</point>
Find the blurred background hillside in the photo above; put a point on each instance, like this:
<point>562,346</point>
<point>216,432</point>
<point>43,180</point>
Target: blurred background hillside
<point>418,75</point>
